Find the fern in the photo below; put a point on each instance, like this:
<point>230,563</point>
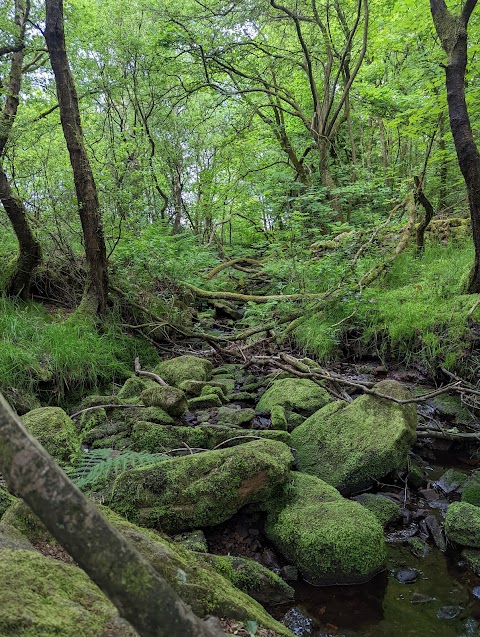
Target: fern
<point>101,465</point>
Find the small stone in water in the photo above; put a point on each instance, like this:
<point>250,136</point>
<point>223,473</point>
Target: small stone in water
<point>407,575</point>
<point>418,598</point>
<point>449,612</point>
<point>476,592</point>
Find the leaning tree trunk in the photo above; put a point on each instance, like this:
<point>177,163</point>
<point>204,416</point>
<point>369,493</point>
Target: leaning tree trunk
<point>97,280</point>
<point>141,595</point>
<point>452,31</point>
<point>29,253</point>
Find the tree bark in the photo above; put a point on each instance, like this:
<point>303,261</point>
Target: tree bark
<point>29,249</point>
<point>422,198</point>
<point>142,597</point>
<point>96,289</point>
<point>452,31</point>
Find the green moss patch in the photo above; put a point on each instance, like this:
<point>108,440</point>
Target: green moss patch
<point>462,524</point>
<point>384,509</point>
<point>170,399</point>
<point>294,394</point>
<point>55,431</point>
<point>181,368</point>
<point>5,501</point>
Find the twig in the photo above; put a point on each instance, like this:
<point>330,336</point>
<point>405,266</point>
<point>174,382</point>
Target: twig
<point>155,377</point>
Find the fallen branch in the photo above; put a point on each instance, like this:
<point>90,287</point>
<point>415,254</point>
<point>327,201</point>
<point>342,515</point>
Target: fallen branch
<point>230,264</point>
<point>139,372</point>
<point>254,298</point>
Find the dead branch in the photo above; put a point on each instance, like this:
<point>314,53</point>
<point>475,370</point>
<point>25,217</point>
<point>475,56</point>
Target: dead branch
<point>229,264</point>
<point>139,372</point>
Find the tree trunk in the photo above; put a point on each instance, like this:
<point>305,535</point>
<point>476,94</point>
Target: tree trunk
<point>96,289</point>
<point>443,172</point>
<point>142,597</point>
<point>422,198</point>
<point>452,31</point>
<point>29,249</point>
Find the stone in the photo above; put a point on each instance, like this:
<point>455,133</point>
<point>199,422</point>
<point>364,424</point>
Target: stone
<point>449,612</point>
<point>406,575</point>
<point>294,395</point>
<point>462,524</point>
<point>330,539</point>
<point>202,489</point>
<point>170,399</point>
<point>204,402</point>
<point>193,541</point>
<point>133,387</point>
<point>55,431</point>
<point>6,499</point>
<point>352,445</point>
<point>472,558</point>
<point>176,370</point>
<point>385,510</point>
<point>235,417</point>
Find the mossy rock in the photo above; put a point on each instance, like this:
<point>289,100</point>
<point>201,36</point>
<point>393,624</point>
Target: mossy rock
<point>55,431</point>
<point>133,387</point>
<point>195,387</point>
<point>21,518</point>
<point>22,401</point>
<point>203,489</point>
<point>472,558</point>
<point>176,370</point>
<point>299,395</point>
<point>11,538</point>
<point>235,417</point>
<point>91,420</point>
<point>193,541</point>
<point>42,597</point>
<point>147,436</point>
<point>6,499</point>
<point>471,494</point>
<point>352,445</point>
<point>279,417</point>
<point>209,390</point>
<point>330,539</point>
<point>170,399</point>
<point>96,400</point>
<point>209,401</point>
<point>385,510</point>
<point>152,414</point>
<point>252,578</point>
<point>462,524</point>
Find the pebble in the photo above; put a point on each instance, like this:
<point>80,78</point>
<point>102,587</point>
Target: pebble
<point>476,592</point>
<point>406,575</point>
<point>449,612</point>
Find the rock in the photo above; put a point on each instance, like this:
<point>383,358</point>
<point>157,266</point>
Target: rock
<point>12,539</point>
<point>406,575</point>
<point>42,596</point>
<point>193,541</point>
<point>352,445</point>
<point>289,573</point>
<point>209,390</point>
<point>476,592</point>
<point>202,489</point>
<point>133,387</point>
<point>252,578</point>
<point>228,384</point>
<point>330,539</point>
<point>449,612</point>
<point>471,494</point>
<point>55,431</point>
<point>416,476</point>
<point>170,399</point>
<point>420,598</point>
<point>436,532</point>
<point>472,558</point>
<point>151,414</point>
<point>279,417</point>
<point>5,501</point>
<point>235,417</point>
<point>418,547</point>
<point>384,509</point>
<point>176,370</point>
<point>462,524</point>
<point>22,401</point>
<point>147,436</point>
<point>451,481</point>
<point>294,395</point>
<point>195,387</point>
<point>91,420</point>
<point>204,402</point>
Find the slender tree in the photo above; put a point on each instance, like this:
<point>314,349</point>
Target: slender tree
<point>452,31</point>
<point>96,290</point>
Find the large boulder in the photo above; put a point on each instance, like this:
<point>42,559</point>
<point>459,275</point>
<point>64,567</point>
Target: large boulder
<point>202,489</point>
<point>295,395</point>
<point>352,445</point>
<point>170,399</point>
<point>55,431</point>
<point>330,539</point>
<point>176,370</point>
<point>462,524</point>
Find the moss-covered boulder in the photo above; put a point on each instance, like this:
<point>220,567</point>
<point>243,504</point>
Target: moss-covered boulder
<point>176,370</point>
<point>235,417</point>
<point>193,541</point>
<point>170,399</point>
<point>133,387</point>
<point>252,578</point>
<point>462,524</point>
<point>206,401</point>
<point>472,558</point>
<point>330,539</point>
<point>202,489</point>
<point>299,395</point>
<point>384,509</point>
<point>55,430</point>
<point>352,445</point>
<point>42,597</point>
<point>5,500</point>
<point>147,436</point>
<point>195,387</point>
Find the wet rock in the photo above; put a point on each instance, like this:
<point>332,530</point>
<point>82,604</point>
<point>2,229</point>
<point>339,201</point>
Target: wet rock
<point>476,592</point>
<point>235,417</point>
<point>452,481</point>
<point>472,558</point>
<point>428,494</point>
<point>436,532</point>
<point>269,559</point>
<point>419,598</point>
<point>352,445</point>
<point>202,489</point>
<point>402,534</point>
<point>289,573</point>
<point>449,612</point>
<point>418,547</point>
<point>406,575</point>
<point>300,624</point>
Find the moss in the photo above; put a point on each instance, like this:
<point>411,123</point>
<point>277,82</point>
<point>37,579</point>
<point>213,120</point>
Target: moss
<point>209,390</point>
<point>43,597</point>
<point>195,387</point>
<point>21,400</point>
<point>151,414</point>
<point>149,437</point>
<point>462,524</point>
<point>20,517</point>
<point>5,501</point>
<point>204,402</point>
<point>55,431</point>
<point>472,558</point>
<point>133,387</point>
<point>294,394</point>
<point>471,494</point>
<point>352,445</point>
<point>193,541</point>
<point>95,400</point>
<point>279,419</point>
<point>235,417</point>
<point>331,540</point>
<point>170,399</point>
<point>253,578</point>
<point>416,476</point>
<point>385,510</point>
<point>176,370</point>
<point>91,420</point>
<point>202,489</point>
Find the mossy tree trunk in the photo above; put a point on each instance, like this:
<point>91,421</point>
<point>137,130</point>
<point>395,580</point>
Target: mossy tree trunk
<point>141,595</point>
<point>29,249</point>
<point>96,289</point>
<point>452,31</point>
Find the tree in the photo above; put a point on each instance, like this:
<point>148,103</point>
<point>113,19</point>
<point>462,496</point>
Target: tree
<point>452,31</point>
<point>96,289</point>
<point>29,249</point>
